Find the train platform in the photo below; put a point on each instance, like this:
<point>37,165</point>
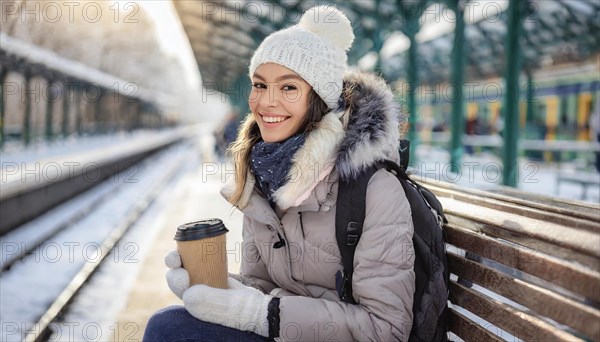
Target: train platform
<point>195,197</point>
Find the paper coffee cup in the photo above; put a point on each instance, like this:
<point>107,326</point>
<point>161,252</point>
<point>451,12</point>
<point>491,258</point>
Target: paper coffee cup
<point>203,252</point>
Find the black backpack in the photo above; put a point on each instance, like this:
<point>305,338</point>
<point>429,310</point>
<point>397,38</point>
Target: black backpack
<point>430,307</point>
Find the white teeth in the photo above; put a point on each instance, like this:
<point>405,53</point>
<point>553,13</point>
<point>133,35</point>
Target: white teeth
<point>273,119</point>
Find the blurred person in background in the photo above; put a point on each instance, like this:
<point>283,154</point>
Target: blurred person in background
<point>226,132</point>
<point>595,130</point>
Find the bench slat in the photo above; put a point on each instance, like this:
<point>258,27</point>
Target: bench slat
<point>527,243</point>
<point>563,310</point>
<point>581,241</point>
<point>570,276</point>
<point>522,210</point>
<point>516,322</point>
<point>463,327</point>
<point>569,207</point>
<point>578,209</point>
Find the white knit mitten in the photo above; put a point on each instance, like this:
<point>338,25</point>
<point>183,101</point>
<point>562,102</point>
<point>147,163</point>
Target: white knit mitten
<point>178,278</point>
<point>239,307</point>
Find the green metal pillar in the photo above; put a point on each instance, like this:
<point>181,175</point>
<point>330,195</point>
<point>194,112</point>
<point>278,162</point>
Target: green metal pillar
<point>98,125</point>
<point>27,115</point>
<point>3,74</point>
<point>129,118</point>
<point>138,114</point>
<point>49,109</point>
<point>121,115</point>
<point>516,14</point>
<point>458,79</point>
<point>413,79</point>
<point>65,119</point>
<point>133,118</point>
<point>377,45</point>
<point>78,94</point>
<point>244,107</point>
<point>242,87</point>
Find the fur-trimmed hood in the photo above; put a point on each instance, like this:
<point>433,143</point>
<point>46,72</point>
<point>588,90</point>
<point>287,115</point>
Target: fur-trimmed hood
<point>348,140</point>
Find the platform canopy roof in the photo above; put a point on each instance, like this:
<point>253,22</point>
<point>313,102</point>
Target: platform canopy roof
<point>224,34</point>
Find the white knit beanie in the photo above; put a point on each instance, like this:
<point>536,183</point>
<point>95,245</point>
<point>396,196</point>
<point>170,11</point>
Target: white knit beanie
<point>315,49</point>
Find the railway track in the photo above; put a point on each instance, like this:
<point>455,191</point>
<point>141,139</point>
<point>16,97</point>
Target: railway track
<point>31,190</point>
<point>42,327</point>
<point>23,250</point>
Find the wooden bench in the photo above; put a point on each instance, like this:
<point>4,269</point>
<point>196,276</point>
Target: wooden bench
<point>523,266</point>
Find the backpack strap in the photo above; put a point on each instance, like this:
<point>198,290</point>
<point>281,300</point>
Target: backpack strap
<point>349,219</point>
<point>431,201</point>
<point>404,150</point>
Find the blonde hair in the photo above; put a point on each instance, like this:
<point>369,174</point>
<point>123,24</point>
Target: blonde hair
<point>248,135</point>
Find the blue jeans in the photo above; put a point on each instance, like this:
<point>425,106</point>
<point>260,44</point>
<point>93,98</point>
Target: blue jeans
<point>176,324</point>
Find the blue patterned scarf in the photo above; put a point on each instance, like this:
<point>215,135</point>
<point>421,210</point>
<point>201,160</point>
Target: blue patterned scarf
<point>271,162</point>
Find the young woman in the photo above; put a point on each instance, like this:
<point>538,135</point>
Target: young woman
<point>312,123</point>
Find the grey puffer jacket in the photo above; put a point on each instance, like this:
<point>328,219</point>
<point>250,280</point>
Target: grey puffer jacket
<point>302,271</point>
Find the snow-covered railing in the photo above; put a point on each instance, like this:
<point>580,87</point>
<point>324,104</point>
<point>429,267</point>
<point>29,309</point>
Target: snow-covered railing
<point>52,61</point>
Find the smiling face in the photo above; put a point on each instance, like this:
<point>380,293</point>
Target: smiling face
<point>278,101</point>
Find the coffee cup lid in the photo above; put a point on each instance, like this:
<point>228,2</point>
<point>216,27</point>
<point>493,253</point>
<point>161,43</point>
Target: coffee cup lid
<point>200,230</point>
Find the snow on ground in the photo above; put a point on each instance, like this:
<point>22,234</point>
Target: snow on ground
<point>32,233</point>
<point>30,286</point>
<point>42,152</point>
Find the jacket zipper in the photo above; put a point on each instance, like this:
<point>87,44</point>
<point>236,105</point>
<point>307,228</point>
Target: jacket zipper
<point>301,224</point>
<point>281,242</point>
<point>276,245</point>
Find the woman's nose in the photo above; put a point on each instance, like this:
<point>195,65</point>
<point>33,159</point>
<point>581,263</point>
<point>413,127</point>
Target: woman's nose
<point>269,97</point>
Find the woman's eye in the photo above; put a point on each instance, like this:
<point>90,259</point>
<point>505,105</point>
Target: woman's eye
<point>258,85</point>
<point>289,87</point>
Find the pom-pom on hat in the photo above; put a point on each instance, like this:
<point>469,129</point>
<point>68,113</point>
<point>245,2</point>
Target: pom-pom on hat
<point>315,49</point>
